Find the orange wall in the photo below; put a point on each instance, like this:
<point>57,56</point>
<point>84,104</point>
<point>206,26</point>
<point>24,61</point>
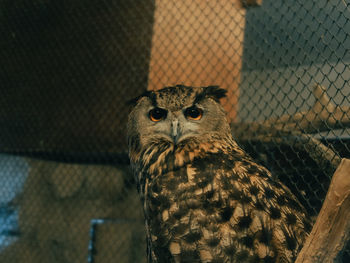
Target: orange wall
<point>198,43</point>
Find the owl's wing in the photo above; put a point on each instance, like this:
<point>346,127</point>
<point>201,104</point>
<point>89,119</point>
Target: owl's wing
<point>221,210</point>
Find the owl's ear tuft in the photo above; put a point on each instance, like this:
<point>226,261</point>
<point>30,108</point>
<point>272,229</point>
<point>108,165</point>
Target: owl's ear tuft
<point>149,94</point>
<point>214,92</point>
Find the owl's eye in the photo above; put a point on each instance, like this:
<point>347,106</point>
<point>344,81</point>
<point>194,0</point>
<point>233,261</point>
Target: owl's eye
<point>157,114</point>
<point>193,113</point>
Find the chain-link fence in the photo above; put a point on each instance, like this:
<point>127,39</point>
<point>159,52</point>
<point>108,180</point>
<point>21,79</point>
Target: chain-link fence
<point>69,67</point>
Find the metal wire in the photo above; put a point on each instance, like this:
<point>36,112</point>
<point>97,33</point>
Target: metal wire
<point>68,69</point>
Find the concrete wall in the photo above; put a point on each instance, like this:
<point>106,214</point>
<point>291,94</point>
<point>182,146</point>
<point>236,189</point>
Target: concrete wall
<point>57,204</point>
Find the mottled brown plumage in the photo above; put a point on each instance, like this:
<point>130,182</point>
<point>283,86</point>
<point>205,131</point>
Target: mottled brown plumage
<point>204,198</point>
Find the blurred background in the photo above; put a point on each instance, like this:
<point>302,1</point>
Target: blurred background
<point>68,69</point>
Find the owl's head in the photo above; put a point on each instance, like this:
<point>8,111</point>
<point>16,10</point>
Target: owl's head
<point>177,113</point>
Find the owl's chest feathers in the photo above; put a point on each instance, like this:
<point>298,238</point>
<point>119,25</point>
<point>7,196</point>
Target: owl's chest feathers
<point>166,165</point>
<point>185,178</point>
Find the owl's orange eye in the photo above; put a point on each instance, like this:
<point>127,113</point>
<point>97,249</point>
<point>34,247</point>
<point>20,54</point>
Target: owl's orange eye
<point>157,114</point>
<point>193,113</point>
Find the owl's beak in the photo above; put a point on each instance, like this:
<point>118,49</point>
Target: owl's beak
<point>175,130</point>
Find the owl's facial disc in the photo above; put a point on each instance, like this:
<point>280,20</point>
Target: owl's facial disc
<point>175,125</point>
<point>176,114</point>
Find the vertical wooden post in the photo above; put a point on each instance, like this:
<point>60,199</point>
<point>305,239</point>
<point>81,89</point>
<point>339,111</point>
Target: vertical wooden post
<point>198,43</point>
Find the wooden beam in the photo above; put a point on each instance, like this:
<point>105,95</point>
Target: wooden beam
<point>332,228</point>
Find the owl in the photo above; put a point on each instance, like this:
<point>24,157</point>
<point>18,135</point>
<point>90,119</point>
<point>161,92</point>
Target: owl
<point>204,199</point>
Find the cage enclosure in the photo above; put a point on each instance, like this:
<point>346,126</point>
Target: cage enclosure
<point>70,67</point>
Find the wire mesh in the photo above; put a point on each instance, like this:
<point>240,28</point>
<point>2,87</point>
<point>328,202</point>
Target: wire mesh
<point>69,67</point>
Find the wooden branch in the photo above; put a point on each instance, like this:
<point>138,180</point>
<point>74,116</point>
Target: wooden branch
<point>291,129</point>
<point>324,156</point>
<point>332,228</point>
<point>323,116</point>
